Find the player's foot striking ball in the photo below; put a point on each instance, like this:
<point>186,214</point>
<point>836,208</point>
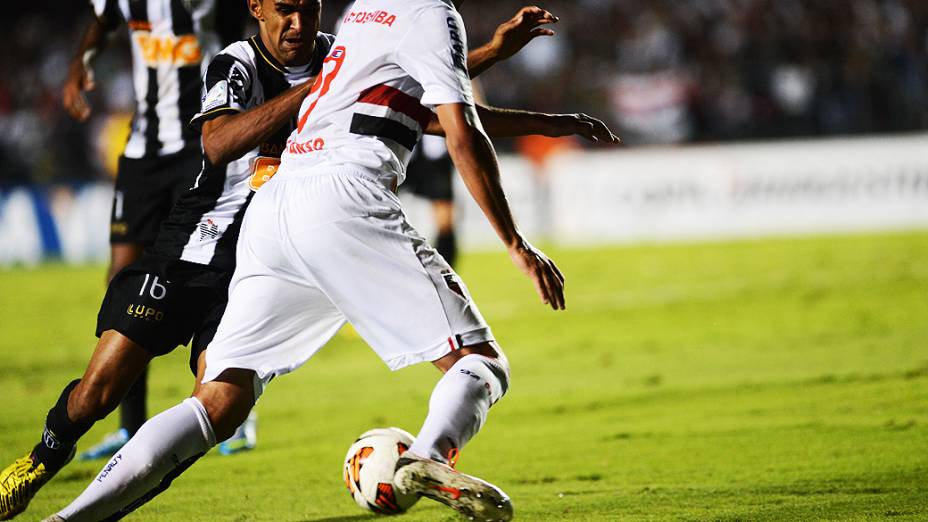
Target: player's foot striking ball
<point>474,498</point>
<point>369,468</point>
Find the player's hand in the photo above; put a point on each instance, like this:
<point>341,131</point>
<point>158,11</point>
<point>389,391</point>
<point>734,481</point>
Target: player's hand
<point>548,281</point>
<point>79,80</point>
<point>511,36</point>
<point>584,126</point>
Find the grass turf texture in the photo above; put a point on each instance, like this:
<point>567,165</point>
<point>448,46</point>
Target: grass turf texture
<point>760,380</point>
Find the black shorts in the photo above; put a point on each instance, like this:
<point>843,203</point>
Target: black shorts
<point>146,189</point>
<point>162,304</point>
<point>430,178</point>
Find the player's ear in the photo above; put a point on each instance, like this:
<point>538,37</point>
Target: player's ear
<point>254,7</point>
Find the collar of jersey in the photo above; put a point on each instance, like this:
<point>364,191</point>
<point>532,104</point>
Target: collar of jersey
<point>281,68</point>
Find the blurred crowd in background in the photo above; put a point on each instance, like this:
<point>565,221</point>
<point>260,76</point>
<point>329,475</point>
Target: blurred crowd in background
<point>657,71</point>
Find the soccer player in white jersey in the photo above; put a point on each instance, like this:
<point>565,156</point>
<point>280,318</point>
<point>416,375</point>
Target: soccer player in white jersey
<point>326,240</point>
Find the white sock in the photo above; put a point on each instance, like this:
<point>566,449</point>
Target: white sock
<point>162,448</point>
<point>459,405</point>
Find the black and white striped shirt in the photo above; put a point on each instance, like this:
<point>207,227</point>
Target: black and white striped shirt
<point>204,224</point>
<point>171,41</point>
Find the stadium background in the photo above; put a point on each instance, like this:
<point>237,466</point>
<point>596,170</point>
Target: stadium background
<point>767,364</point>
<point>662,73</point>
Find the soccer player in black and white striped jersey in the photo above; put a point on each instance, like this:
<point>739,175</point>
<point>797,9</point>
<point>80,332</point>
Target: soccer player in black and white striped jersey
<point>171,41</point>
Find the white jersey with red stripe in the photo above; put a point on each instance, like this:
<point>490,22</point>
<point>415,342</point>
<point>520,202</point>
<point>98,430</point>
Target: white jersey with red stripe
<point>391,62</point>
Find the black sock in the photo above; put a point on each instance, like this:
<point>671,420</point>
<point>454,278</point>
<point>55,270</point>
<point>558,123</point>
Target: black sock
<point>132,412</point>
<point>447,246</point>
<point>60,434</point>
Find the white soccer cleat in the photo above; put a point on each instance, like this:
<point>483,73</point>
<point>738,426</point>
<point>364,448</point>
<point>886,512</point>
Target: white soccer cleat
<point>474,498</point>
<point>54,518</point>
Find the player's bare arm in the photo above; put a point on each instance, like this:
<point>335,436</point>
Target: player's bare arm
<point>475,159</point>
<point>229,137</point>
<point>80,75</point>
<point>510,37</point>
<point>502,123</point>
<point>506,123</point>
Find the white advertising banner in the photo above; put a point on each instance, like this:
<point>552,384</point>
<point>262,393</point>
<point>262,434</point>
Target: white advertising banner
<point>590,198</point>
<point>712,192</point>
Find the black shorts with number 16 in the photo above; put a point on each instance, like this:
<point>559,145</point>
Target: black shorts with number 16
<point>161,304</point>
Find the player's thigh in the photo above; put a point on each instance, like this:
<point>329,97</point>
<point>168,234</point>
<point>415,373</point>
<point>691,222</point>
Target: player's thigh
<point>156,313</point>
<point>274,320</point>
<point>400,295</point>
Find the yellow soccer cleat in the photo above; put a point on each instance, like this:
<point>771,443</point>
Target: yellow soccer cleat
<point>19,482</point>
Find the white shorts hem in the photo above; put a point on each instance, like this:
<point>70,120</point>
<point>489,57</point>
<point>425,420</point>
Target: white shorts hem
<point>437,351</point>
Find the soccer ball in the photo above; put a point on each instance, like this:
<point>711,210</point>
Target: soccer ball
<point>368,471</point>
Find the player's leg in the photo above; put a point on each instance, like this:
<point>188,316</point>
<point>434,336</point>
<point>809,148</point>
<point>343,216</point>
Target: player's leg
<point>446,241</point>
<point>263,327</point>
<point>245,436</point>
<point>437,186</point>
<point>147,189</point>
<point>114,366</point>
<point>410,306</point>
<point>135,215</point>
<point>165,446</point>
<point>133,406</point>
<point>475,377</point>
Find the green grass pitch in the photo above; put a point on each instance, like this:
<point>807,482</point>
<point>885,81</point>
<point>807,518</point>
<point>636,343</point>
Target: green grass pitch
<point>782,379</point>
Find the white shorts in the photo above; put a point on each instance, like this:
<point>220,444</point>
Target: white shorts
<point>320,248</point>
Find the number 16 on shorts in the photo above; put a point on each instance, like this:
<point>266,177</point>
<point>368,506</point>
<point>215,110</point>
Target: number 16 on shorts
<point>155,289</point>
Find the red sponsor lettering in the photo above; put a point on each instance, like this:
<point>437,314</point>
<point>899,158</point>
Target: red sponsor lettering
<point>305,147</point>
<point>364,17</point>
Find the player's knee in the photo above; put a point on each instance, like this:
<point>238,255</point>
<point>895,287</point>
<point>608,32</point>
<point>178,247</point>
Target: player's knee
<point>502,373</point>
<point>227,401</point>
<point>492,372</point>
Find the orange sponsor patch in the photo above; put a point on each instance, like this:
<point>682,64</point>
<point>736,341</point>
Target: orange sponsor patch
<point>264,170</point>
<point>168,49</point>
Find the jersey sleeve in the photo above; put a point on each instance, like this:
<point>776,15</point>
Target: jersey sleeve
<point>226,89</point>
<point>434,54</point>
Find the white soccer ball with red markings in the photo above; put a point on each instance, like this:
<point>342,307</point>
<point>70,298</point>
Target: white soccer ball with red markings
<point>368,471</point>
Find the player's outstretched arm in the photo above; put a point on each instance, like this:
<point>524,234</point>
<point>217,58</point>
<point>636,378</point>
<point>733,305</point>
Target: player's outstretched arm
<point>506,123</point>
<point>229,137</point>
<point>475,159</point>
<point>510,37</point>
<point>80,76</point>
<point>503,123</point>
